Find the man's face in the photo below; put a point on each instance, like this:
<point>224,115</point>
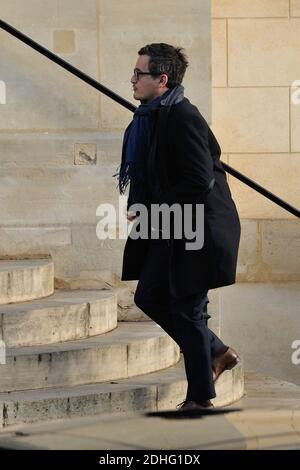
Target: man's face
<point>147,87</point>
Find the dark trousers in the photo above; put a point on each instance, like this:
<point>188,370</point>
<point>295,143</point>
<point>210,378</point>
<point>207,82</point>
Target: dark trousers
<point>182,318</point>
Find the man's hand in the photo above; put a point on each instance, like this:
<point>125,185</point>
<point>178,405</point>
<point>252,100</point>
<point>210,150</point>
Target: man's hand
<point>131,216</point>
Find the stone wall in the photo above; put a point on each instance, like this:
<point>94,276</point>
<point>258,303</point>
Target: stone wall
<point>255,61</point>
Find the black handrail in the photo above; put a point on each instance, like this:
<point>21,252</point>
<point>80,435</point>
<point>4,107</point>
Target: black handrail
<point>106,91</point>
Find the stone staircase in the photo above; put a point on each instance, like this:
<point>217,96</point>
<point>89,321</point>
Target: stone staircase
<point>67,355</point>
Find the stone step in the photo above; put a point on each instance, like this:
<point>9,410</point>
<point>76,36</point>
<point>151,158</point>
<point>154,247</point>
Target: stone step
<point>131,349</point>
<point>156,391</point>
<point>25,279</point>
<point>63,316</point>
<point>266,418</point>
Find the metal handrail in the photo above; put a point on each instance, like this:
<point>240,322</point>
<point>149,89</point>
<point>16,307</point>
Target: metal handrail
<point>126,104</point>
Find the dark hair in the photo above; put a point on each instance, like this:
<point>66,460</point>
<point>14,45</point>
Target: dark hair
<point>166,59</point>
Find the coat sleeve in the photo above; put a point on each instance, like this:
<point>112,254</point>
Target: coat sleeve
<point>190,153</point>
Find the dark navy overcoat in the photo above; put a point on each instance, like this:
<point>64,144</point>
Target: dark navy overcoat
<point>186,158</point>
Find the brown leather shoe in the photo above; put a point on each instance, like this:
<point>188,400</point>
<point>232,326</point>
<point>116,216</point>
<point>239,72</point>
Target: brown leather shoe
<point>189,405</point>
<point>225,361</point>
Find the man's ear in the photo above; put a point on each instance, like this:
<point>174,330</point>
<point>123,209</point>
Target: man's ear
<point>164,79</point>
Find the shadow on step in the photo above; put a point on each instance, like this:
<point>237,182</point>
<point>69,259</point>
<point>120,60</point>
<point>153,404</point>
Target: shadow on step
<point>191,414</point>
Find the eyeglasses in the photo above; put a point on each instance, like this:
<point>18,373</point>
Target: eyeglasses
<point>137,73</point>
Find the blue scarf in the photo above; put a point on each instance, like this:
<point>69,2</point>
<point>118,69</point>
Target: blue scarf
<point>133,168</point>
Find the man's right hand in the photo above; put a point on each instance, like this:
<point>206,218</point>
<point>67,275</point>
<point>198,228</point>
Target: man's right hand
<point>131,216</point>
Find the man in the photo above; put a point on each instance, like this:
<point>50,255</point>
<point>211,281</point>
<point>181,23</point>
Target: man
<point>170,156</point>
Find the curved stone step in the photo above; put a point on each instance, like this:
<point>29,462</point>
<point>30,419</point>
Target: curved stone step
<point>26,279</point>
<point>161,390</point>
<point>131,349</point>
<point>63,316</point>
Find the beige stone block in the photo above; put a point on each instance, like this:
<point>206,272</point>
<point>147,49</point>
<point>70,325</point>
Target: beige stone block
<point>34,150</point>
<point>245,8</point>
<point>277,173</point>
<point>295,118</point>
<point>60,13</point>
<point>295,7</point>
<point>249,245</point>
<point>263,52</point>
<point>251,119</point>
<point>39,19</point>
<point>18,12</point>
<point>40,95</point>
<point>76,14</point>
<point>85,57</point>
<point>41,33</point>
<point>87,253</point>
<point>261,321</point>
<point>219,53</point>
<point>184,24</point>
<point>57,196</point>
<point>56,150</point>
<point>281,246</point>
<point>85,154</point>
<point>24,239</point>
<point>63,42</point>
